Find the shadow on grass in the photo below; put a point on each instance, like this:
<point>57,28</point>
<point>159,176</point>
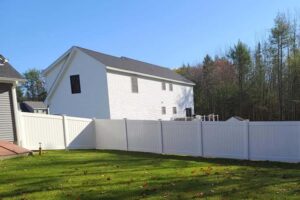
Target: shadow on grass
<point>109,174</point>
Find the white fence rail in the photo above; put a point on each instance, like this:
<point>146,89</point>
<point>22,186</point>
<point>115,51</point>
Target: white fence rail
<point>275,141</point>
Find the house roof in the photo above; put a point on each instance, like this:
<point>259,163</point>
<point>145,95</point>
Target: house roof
<point>237,118</point>
<point>130,64</point>
<point>7,71</point>
<point>35,104</point>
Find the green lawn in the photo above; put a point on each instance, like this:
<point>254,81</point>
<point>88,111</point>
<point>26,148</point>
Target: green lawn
<point>122,175</point>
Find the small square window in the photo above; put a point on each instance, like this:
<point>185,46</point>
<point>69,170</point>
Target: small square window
<point>174,110</point>
<point>170,86</point>
<point>75,84</point>
<point>163,86</point>
<point>163,110</point>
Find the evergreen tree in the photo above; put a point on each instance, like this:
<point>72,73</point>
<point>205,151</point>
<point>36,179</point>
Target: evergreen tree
<point>241,59</point>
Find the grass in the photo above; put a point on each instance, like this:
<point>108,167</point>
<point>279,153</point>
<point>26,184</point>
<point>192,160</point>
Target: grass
<point>92,174</point>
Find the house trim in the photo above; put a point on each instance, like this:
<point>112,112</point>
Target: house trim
<point>60,74</point>
<point>11,80</point>
<point>53,65</point>
<point>147,75</point>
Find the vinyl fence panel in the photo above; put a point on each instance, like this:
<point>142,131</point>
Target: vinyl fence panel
<point>225,139</point>
<point>276,141</point>
<point>182,137</point>
<point>111,134</point>
<point>144,136</point>
<point>81,134</point>
<point>44,129</point>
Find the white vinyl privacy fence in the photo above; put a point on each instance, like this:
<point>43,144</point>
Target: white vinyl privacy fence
<point>56,132</point>
<point>275,141</point>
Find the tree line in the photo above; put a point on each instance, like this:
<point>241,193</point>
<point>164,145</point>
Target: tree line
<point>33,89</point>
<point>262,83</point>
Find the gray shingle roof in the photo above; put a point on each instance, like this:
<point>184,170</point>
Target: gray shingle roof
<point>129,64</point>
<point>7,71</point>
<point>35,104</point>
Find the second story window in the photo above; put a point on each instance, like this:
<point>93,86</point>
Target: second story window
<point>188,112</point>
<point>174,110</point>
<point>75,84</point>
<point>170,86</point>
<point>163,85</point>
<point>163,110</point>
<point>134,85</point>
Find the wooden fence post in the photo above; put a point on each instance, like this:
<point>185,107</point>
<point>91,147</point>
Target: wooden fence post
<point>66,132</point>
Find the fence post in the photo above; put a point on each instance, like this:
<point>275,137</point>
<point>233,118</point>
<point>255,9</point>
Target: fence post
<point>126,134</point>
<point>22,130</point>
<point>161,136</point>
<point>299,144</point>
<point>247,140</point>
<point>201,136</point>
<point>65,129</point>
<point>95,132</point>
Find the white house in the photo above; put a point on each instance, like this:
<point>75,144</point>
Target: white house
<point>87,83</point>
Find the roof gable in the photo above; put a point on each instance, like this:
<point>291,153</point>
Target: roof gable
<point>128,64</point>
<point>35,104</point>
<point>7,71</point>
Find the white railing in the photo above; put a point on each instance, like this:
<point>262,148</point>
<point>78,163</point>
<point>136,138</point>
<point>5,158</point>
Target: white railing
<point>275,141</point>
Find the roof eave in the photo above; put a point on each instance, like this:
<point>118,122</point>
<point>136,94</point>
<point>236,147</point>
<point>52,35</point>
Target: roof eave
<point>147,75</point>
<point>53,65</point>
<point>8,79</point>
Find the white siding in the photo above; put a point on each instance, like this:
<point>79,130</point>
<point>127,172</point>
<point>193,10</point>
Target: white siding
<point>148,102</point>
<point>52,75</point>
<point>93,99</point>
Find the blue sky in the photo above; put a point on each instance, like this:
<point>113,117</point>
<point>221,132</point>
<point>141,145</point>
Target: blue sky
<point>34,33</point>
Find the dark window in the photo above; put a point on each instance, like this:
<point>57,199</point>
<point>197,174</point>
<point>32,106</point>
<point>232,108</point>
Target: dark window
<point>188,112</point>
<point>75,84</point>
<point>163,110</point>
<point>163,86</point>
<point>170,86</point>
<point>174,110</point>
<point>134,85</point>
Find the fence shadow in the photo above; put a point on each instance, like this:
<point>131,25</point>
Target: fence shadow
<point>98,174</point>
<point>85,139</point>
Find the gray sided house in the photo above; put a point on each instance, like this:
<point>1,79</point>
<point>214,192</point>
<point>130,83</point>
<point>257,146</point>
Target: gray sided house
<point>9,79</point>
